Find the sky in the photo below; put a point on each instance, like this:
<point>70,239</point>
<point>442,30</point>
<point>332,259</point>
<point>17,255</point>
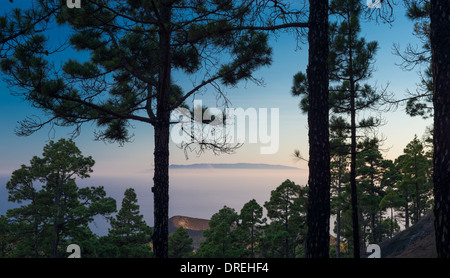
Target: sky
<point>136,158</point>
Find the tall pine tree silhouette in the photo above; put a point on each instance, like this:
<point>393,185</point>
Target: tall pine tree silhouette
<point>134,47</point>
<point>440,56</point>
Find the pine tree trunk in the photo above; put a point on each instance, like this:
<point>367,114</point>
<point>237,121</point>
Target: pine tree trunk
<point>35,227</point>
<point>318,216</point>
<point>380,225</point>
<point>392,222</point>
<point>372,227</point>
<point>338,214</point>
<point>56,216</point>
<point>406,209</point>
<point>373,214</point>
<point>417,204</point>
<point>353,188</point>
<point>286,228</point>
<point>162,134</point>
<point>440,49</point>
<point>252,238</point>
<point>161,192</point>
<point>417,197</point>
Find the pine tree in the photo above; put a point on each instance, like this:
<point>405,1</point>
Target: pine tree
<point>5,237</point>
<point>391,201</point>
<point>180,244</point>
<point>128,229</point>
<point>350,63</point>
<point>221,236</point>
<point>134,47</point>
<point>419,103</point>
<point>17,27</point>
<point>251,223</point>
<point>56,207</point>
<point>439,38</point>
<point>416,169</point>
<point>339,151</point>
<point>286,211</point>
<point>369,175</point>
<point>318,220</point>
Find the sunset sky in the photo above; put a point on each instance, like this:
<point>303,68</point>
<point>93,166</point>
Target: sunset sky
<point>137,157</point>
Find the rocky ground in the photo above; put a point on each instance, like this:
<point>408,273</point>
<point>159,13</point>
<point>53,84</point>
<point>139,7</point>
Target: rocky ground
<point>415,242</point>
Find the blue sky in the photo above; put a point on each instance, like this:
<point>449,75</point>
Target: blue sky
<point>137,157</point>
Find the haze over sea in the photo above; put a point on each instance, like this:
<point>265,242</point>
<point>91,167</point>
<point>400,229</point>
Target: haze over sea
<point>196,191</point>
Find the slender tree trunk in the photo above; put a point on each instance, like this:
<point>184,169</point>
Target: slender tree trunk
<point>392,222</point>
<point>35,227</point>
<point>372,226</point>
<point>417,197</point>
<point>56,220</point>
<point>376,231</point>
<point>353,188</point>
<point>364,226</point>
<point>417,202</point>
<point>252,254</point>
<point>373,214</point>
<point>338,213</point>
<point>440,49</point>
<point>162,134</point>
<point>406,209</point>
<point>318,216</point>
<point>36,238</point>
<point>380,225</point>
<point>286,228</point>
<point>252,238</point>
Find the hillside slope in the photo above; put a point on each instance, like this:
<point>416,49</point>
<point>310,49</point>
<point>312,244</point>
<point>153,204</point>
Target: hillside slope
<point>415,242</point>
<point>194,227</point>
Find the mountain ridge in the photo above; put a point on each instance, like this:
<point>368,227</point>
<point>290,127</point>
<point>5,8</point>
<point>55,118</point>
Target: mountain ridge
<point>194,227</point>
<point>190,223</point>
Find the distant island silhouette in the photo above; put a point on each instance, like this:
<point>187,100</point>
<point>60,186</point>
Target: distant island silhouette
<point>231,166</point>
